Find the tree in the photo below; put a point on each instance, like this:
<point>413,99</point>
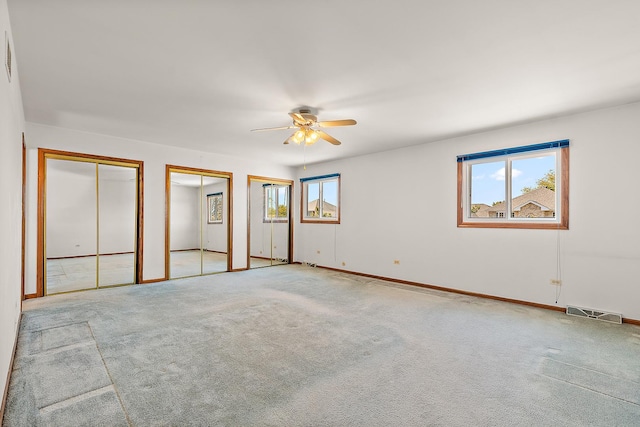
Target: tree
<point>282,212</point>
<point>547,181</point>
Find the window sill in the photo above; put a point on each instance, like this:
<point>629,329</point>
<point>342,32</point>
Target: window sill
<point>320,221</point>
<point>521,225</point>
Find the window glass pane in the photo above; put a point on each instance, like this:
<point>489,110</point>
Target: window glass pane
<point>313,199</point>
<point>533,185</point>
<point>487,190</point>
<point>283,202</point>
<point>330,199</point>
<point>516,190</point>
<point>321,197</point>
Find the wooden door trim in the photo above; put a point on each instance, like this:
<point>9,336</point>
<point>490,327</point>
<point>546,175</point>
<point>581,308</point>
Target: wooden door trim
<point>24,219</point>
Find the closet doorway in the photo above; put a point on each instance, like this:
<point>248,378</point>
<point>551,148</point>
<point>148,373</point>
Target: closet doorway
<point>198,222</point>
<point>88,230</point>
<point>270,225</point>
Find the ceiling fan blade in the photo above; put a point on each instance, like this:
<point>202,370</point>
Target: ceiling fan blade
<point>278,128</point>
<point>328,137</point>
<point>298,118</point>
<point>309,117</point>
<point>331,123</point>
<point>286,141</point>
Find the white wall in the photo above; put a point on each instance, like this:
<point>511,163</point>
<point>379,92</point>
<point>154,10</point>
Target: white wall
<point>185,204</point>
<point>215,235</point>
<point>11,128</point>
<point>155,158</point>
<point>401,205</point>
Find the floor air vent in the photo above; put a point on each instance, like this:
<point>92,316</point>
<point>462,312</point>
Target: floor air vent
<point>594,314</point>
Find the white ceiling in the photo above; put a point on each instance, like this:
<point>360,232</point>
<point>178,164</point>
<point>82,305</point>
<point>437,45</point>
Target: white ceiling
<point>201,74</point>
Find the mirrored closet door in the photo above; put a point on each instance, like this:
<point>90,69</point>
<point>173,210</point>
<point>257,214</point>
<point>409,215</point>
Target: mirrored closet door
<point>116,225</point>
<point>270,225</point>
<point>90,223</point>
<point>197,222</point>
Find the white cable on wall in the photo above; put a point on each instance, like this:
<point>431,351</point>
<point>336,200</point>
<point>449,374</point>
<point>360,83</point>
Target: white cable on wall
<point>558,265</point>
<point>335,242</point>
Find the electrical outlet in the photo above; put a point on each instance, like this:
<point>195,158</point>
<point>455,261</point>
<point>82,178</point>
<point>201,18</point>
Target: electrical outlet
<point>555,282</point>
<point>318,251</point>
<point>396,261</point>
<point>344,263</point>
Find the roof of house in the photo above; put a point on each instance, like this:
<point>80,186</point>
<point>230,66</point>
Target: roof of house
<point>542,196</point>
<point>326,206</point>
<point>483,210</point>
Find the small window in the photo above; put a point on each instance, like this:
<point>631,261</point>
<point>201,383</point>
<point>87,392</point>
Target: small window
<point>321,199</point>
<point>276,203</point>
<point>521,187</point>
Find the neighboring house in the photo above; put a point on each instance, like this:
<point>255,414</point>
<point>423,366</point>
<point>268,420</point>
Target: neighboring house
<point>538,203</point>
<point>480,210</point>
<point>328,209</point>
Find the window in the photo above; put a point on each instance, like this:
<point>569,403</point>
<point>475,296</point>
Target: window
<point>321,199</point>
<point>520,187</point>
<point>276,203</point>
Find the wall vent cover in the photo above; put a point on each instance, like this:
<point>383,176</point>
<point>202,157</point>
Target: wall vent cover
<point>594,314</point>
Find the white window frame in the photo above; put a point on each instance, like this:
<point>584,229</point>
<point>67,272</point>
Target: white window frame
<point>304,202</point>
<point>560,220</point>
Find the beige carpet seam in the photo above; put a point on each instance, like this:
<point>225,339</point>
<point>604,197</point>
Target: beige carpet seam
<point>75,399</point>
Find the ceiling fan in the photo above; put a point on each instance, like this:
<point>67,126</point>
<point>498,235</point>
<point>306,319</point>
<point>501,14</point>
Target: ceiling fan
<point>306,121</point>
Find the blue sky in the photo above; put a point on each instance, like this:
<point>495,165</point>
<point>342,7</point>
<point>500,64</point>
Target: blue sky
<point>329,191</point>
<point>488,184</point>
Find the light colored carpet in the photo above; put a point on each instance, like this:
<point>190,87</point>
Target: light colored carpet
<point>298,346</point>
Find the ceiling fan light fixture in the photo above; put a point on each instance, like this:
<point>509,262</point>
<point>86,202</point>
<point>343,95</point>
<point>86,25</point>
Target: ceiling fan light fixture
<point>308,127</point>
<point>298,136</point>
<point>311,137</point>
